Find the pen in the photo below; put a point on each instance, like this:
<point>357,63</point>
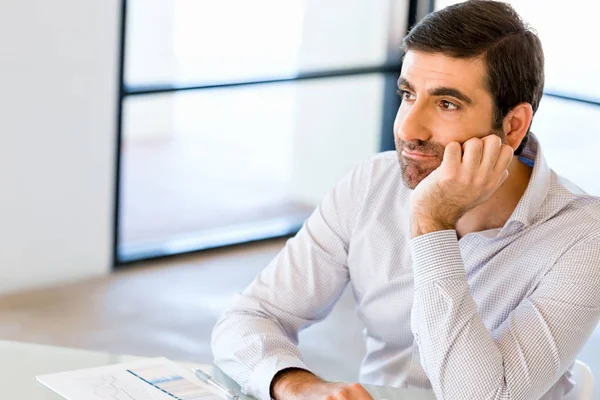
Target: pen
<point>204,377</point>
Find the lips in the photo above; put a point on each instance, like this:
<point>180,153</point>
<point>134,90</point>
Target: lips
<point>414,154</point>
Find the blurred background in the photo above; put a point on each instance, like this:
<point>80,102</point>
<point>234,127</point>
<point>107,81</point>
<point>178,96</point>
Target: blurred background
<point>136,130</point>
<point>238,116</point>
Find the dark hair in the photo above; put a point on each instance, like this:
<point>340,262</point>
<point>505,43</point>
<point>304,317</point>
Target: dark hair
<point>512,52</point>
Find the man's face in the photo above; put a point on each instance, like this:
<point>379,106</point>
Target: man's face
<point>444,99</point>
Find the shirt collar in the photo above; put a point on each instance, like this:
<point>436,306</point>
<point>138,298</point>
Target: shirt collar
<point>537,189</point>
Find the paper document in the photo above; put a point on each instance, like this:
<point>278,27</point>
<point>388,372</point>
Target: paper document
<point>150,379</point>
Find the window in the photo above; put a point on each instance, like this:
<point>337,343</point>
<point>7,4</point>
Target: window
<point>237,117</point>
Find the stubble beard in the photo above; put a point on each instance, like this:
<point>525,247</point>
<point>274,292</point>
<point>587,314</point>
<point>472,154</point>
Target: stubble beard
<point>414,171</point>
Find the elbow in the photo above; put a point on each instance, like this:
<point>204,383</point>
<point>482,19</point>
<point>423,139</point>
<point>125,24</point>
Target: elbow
<point>474,390</point>
<point>218,341</point>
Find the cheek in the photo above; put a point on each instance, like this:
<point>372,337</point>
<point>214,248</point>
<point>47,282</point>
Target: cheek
<point>478,123</point>
<point>458,127</point>
<point>445,130</point>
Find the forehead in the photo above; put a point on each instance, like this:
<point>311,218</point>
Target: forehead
<point>429,70</point>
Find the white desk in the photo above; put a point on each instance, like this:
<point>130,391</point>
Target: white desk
<point>20,363</point>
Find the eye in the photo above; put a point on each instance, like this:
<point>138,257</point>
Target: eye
<point>406,95</point>
<point>448,105</point>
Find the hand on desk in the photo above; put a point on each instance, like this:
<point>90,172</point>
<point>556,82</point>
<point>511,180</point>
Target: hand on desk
<point>297,384</point>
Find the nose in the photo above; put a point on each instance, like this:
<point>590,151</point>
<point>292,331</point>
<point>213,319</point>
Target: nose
<point>411,123</point>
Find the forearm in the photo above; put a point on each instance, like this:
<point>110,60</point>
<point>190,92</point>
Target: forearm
<point>251,349</point>
<point>446,323</point>
<point>457,351</point>
<point>520,359</point>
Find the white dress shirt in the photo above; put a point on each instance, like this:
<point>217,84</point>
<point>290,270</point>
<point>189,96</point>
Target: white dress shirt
<point>498,314</point>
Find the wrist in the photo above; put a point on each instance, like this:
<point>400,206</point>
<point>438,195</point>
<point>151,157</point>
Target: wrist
<point>291,382</point>
<point>424,225</point>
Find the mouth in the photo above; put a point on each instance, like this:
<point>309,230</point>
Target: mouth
<point>417,155</point>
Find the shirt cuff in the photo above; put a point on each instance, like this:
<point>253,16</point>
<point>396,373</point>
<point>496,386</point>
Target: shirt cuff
<point>436,256</point>
<point>261,378</point>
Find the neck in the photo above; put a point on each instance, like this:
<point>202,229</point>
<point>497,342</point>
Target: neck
<point>497,210</point>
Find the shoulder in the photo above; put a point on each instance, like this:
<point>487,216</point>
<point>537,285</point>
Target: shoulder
<point>382,189</point>
<point>381,166</point>
<point>572,228</point>
<point>575,207</point>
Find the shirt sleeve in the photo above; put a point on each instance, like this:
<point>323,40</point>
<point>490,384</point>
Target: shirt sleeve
<point>258,336</point>
<point>528,353</point>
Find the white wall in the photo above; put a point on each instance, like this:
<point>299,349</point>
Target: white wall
<point>58,103</point>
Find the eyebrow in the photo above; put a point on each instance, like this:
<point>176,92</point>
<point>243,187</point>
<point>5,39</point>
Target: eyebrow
<point>439,91</point>
<point>402,81</point>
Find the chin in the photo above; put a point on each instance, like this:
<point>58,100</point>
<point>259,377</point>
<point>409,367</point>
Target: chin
<point>411,182</point>
<point>413,174</point>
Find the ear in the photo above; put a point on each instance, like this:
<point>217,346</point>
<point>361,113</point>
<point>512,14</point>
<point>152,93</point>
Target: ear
<point>516,124</point>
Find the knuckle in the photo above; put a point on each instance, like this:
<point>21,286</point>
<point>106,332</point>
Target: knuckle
<point>445,180</point>
<point>343,394</point>
<point>449,173</point>
<point>507,148</point>
<point>465,180</point>
<point>493,138</point>
<point>482,181</point>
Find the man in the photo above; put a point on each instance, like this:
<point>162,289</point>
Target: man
<point>474,266</point>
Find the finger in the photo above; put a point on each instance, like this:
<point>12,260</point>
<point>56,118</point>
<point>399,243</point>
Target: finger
<point>452,154</point>
<point>503,179</point>
<point>504,159</point>
<point>359,393</point>
<point>473,150</point>
<point>491,151</point>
